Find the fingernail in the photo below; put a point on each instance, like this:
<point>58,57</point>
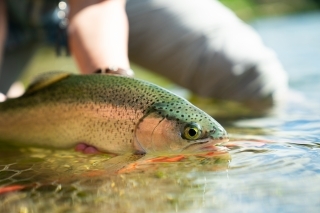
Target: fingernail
<point>130,72</point>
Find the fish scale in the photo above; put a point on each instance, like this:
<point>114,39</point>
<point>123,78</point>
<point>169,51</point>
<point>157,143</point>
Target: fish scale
<point>113,113</point>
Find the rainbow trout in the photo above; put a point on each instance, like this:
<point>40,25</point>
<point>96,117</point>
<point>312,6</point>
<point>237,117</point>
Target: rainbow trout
<point>115,114</point>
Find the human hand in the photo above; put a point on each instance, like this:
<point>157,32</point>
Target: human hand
<point>116,71</point>
<point>98,35</point>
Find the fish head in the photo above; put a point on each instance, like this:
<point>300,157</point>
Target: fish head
<point>177,128</point>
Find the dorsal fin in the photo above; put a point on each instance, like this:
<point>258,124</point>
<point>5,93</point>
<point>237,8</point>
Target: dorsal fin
<point>45,79</point>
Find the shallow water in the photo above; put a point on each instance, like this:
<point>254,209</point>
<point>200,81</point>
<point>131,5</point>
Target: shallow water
<point>272,165</point>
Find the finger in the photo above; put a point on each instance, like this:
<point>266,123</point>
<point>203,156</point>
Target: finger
<point>116,71</point>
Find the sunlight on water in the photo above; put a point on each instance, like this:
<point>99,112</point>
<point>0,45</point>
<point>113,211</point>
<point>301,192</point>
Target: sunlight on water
<point>272,164</point>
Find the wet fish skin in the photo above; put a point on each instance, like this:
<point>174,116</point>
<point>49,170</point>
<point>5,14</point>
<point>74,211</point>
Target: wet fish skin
<point>115,114</point>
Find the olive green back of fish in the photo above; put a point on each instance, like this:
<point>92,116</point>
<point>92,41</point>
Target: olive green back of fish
<point>79,89</point>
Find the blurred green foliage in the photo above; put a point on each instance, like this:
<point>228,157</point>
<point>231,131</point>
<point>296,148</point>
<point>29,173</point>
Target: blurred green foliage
<point>249,9</point>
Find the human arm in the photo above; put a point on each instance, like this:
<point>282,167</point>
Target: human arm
<point>98,34</point>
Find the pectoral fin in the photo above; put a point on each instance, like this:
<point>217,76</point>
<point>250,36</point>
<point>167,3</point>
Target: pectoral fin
<point>46,79</point>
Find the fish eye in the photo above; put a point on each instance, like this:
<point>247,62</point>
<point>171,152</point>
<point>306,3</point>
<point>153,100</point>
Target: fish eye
<point>192,131</point>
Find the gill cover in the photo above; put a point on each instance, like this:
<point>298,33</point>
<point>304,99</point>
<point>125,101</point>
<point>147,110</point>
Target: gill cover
<point>155,133</point>
<point>173,129</point>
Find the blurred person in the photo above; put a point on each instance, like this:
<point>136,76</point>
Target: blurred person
<point>200,45</point>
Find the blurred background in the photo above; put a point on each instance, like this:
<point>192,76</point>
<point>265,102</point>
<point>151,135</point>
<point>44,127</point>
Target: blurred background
<point>251,9</point>
<point>290,27</point>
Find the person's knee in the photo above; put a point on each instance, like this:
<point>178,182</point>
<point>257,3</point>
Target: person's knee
<point>259,85</point>
<point>220,58</point>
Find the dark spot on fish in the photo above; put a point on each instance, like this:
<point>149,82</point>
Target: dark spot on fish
<point>213,130</point>
<point>221,138</point>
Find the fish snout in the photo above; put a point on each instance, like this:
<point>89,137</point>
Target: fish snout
<point>210,143</point>
<point>221,136</point>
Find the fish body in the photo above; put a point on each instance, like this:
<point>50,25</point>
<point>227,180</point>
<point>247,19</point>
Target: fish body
<point>115,114</point>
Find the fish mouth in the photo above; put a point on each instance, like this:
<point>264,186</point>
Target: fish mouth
<point>206,145</point>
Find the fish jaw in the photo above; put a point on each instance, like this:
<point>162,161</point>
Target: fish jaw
<point>208,145</point>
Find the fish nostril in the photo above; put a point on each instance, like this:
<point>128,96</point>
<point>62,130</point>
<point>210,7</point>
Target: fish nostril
<point>213,131</point>
<point>221,138</point>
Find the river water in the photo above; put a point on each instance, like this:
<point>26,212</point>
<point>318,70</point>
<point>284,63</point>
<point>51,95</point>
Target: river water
<point>272,164</point>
